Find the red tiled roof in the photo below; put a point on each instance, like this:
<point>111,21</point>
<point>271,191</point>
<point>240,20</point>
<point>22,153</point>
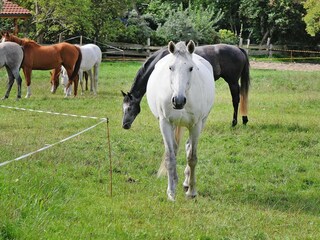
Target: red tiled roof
<point>10,9</point>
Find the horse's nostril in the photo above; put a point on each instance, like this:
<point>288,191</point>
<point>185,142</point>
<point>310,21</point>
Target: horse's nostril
<point>173,100</point>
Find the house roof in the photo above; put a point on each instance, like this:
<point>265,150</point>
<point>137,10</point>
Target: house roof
<point>12,10</point>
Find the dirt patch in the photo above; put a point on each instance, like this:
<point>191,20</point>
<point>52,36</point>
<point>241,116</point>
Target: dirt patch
<point>285,66</point>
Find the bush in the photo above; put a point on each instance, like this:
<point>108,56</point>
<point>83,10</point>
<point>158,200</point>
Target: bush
<point>228,37</point>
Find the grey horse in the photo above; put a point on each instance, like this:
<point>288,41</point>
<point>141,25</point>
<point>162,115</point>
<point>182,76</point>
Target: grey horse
<point>11,56</point>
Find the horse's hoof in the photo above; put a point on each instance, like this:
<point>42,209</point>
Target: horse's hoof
<point>171,198</point>
<point>234,123</point>
<point>185,188</point>
<point>191,195</point>
<point>245,120</point>
<point>4,98</point>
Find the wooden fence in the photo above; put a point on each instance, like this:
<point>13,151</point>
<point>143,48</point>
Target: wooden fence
<point>119,50</point>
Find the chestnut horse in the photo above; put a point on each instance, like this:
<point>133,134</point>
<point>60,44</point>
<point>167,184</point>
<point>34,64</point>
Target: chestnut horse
<point>37,57</point>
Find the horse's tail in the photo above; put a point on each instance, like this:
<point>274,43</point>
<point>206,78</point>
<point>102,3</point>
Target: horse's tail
<point>77,65</point>
<point>244,85</point>
<point>177,134</point>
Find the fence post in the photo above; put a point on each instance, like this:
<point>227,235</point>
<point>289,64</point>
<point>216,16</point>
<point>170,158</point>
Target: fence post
<point>60,37</point>
<point>148,46</point>
<point>270,50</point>
<point>240,42</point>
<point>81,40</point>
<point>248,45</point>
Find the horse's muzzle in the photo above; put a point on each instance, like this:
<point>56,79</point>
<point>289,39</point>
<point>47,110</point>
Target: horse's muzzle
<point>178,102</point>
<point>126,125</point>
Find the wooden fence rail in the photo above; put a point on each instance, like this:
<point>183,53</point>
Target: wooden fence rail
<point>129,50</point>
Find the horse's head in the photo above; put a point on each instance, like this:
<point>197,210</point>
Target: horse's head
<point>131,108</point>
<point>54,80</point>
<point>7,37</point>
<point>181,69</point>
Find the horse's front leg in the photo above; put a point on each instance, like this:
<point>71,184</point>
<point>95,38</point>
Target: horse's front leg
<point>27,75</point>
<point>167,131</point>
<point>189,183</point>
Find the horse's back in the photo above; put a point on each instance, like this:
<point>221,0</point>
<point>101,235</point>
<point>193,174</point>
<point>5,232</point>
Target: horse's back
<point>228,61</point>
<point>11,54</point>
<point>91,55</point>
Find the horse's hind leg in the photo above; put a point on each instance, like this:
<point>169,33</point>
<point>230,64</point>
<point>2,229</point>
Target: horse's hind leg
<point>95,75</point>
<point>92,82</point>
<point>81,73</point>
<point>76,80</point>
<point>235,93</point>
<point>10,83</point>
<point>19,82</point>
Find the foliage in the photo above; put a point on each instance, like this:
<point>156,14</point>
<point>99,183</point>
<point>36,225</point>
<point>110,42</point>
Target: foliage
<point>136,29</point>
<point>283,21</point>
<point>228,37</point>
<point>194,23</point>
<point>312,18</point>
<point>178,27</point>
<point>259,181</point>
<point>275,19</point>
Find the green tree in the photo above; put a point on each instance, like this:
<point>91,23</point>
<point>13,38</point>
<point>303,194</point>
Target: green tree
<point>193,22</point>
<point>91,18</point>
<point>280,20</point>
<point>136,29</point>
<point>312,18</point>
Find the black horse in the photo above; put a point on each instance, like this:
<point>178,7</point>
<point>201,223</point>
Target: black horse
<point>229,62</point>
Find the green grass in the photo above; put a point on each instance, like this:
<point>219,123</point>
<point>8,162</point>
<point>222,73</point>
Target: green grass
<point>260,181</point>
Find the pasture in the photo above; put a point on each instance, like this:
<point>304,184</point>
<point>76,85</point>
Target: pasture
<point>260,181</point>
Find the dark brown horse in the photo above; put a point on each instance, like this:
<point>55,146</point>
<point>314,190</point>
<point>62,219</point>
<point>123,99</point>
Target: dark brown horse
<point>228,62</point>
<point>37,57</point>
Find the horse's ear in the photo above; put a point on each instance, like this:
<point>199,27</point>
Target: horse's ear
<point>123,93</point>
<point>191,46</point>
<point>171,47</point>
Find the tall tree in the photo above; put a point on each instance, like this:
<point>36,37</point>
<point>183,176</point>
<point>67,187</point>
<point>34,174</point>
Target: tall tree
<point>279,20</point>
<point>312,18</point>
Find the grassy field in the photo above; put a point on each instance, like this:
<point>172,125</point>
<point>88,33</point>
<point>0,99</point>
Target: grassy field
<point>260,181</point>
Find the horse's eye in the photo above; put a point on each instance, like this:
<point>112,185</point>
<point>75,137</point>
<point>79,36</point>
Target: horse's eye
<point>171,68</point>
<point>190,69</point>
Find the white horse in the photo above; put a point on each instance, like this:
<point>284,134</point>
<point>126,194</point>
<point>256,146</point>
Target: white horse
<point>180,93</point>
<point>91,58</point>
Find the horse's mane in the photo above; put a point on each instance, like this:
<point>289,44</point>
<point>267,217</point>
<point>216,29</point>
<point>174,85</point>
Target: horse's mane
<point>181,48</point>
<point>29,41</point>
<point>24,40</point>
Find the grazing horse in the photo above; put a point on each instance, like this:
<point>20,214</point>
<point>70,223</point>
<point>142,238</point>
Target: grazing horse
<point>91,58</point>
<point>11,56</point>
<point>180,93</point>
<point>228,62</point>
<point>37,57</point>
